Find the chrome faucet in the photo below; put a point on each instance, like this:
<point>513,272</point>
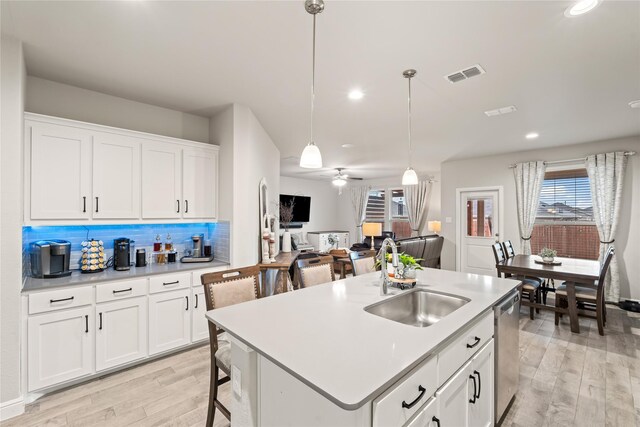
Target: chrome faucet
<point>384,277</point>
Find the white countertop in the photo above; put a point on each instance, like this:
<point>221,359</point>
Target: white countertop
<point>323,336</point>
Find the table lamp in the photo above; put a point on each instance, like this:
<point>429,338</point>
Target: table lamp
<point>435,226</point>
<point>372,229</point>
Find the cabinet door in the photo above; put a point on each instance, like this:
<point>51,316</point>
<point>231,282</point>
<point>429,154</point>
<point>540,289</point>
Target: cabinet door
<point>453,399</point>
<point>169,320</point>
<point>344,240</point>
<point>116,177</point>
<point>427,416</point>
<point>161,180</point>
<point>60,346</point>
<point>199,182</point>
<point>481,411</point>
<point>199,323</point>
<point>121,333</point>
<point>60,172</point>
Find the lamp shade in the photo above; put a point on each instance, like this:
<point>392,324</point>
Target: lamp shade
<point>435,226</point>
<point>410,177</point>
<point>311,157</point>
<point>372,229</point>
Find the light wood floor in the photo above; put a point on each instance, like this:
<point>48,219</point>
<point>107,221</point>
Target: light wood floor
<point>566,379</point>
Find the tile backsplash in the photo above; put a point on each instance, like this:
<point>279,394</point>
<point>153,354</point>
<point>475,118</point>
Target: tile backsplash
<point>143,234</point>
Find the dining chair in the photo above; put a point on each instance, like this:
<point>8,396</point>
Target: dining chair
<point>529,286</point>
<point>315,271</point>
<point>590,297</point>
<point>221,289</point>
<point>363,262</point>
<point>510,252</point>
<point>339,253</point>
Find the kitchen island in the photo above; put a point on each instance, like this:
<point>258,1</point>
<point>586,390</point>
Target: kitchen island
<point>316,357</point>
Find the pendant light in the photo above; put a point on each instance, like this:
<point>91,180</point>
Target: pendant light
<point>409,177</point>
<point>311,157</point>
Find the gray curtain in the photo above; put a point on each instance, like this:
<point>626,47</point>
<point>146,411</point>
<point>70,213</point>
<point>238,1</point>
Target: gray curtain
<point>417,201</point>
<point>606,175</point>
<point>529,177</point>
<point>359,199</point>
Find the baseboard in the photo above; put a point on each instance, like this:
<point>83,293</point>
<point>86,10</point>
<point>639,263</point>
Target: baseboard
<point>11,408</point>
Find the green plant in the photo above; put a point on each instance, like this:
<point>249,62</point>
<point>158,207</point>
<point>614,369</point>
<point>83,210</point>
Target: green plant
<point>548,253</point>
<point>406,260</point>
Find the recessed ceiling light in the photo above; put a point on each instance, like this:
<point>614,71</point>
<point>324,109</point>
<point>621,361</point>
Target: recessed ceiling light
<point>348,145</point>
<point>581,7</point>
<point>501,111</point>
<point>635,104</point>
<point>356,94</point>
<point>531,135</point>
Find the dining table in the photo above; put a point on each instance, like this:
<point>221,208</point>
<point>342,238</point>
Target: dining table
<point>573,271</point>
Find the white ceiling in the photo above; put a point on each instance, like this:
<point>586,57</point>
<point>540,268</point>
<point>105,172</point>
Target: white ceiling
<point>571,79</point>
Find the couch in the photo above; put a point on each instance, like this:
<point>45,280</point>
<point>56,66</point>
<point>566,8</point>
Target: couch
<point>429,248</point>
<point>377,241</point>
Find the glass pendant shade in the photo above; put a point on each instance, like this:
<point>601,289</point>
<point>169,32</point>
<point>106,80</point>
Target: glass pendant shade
<point>409,177</point>
<point>339,182</point>
<point>311,157</point>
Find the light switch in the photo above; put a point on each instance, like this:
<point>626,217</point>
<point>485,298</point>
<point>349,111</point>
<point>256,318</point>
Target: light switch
<point>448,220</point>
<point>236,380</point>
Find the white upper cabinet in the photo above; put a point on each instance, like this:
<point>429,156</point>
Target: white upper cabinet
<point>161,180</point>
<point>199,182</point>
<point>116,177</point>
<point>60,171</point>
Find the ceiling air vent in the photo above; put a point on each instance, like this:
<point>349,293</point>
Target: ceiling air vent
<point>465,74</point>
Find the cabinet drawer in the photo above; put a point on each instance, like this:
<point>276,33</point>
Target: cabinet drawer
<point>169,282</point>
<point>60,299</point>
<point>464,347</point>
<point>121,290</point>
<point>195,281</point>
<point>414,389</point>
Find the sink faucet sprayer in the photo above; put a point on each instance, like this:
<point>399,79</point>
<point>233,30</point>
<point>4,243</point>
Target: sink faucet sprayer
<point>384,277</point>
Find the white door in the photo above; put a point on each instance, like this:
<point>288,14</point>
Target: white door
<point>169,320</point>
<point>453,399</point>
<point>481,410</point>
<point>60,346</point>
<point>121,333</point>
<point>427,416</point>
<point>199,172</point>
<point>161,180</point>
<point>60,172</point>
<point>199,323</point>
<point>479,213</point>
<point>116,177</point>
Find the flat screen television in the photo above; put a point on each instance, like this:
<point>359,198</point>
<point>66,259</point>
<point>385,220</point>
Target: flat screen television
<point>301,206</point>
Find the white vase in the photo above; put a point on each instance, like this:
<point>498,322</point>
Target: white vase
<point>286,241</point>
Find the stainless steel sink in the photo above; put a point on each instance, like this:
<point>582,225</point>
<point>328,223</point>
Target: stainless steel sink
<point>418,308</point>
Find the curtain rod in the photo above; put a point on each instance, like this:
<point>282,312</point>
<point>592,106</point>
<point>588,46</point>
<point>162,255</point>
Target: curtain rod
<point>555,162</point>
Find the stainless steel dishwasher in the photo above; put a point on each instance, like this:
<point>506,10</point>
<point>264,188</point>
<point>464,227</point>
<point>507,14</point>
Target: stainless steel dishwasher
<point>507,352</point>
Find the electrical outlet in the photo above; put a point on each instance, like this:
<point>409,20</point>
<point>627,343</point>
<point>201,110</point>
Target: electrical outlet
<point>236,380</point>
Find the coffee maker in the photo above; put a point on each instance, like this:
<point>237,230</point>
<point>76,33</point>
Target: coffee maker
<point>197,251</point>
<point>121,254</point>
<point>50,258</point>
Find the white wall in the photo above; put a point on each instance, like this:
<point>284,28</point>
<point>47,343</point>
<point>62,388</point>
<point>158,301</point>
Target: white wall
<point>386,184</point>
<point>12,88</point>
<point>61,100</point>
<point>494,170</point>
<point>325,201</point>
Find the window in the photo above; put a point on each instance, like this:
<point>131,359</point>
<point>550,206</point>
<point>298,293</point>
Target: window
<point>398,215</point>
<point>480,217</point>
<point>375,206</point>
<point>564,220</point>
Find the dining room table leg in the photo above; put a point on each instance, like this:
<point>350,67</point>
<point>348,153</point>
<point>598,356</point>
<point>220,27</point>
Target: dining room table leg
<point>573,307</point>
<point>343,270</point>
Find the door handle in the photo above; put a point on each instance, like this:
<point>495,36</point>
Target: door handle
<point>170,283</point>
<point>436,420</point>
<point>422,391</point>
<point>178,201</point>
<point>97,205</point>
<point>51,301</point>
<point>100,315</point>
<point>186,206</point>
<point>477,341</point>
<point>187,309</point>
<point>475,389</point>
<point>196,306</point>
<point>84,204</point>
<point>479,383</point>
<point>86,323</point>
<point>122,290</point>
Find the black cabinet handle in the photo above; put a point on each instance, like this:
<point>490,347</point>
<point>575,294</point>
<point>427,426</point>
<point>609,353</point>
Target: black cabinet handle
<point>422,390</point>
<point>97,206</point>
<point>178,201</point>
<point>475,389</point>
<point>196,306</point>
<point>436,420</point>
<point>187,309</point>
<point>51,301</point>
<point>170,283</point>
<point>475,343</point>
<point>122,290</point>
<point>100,315</point>
<point>479,383</point>
<point>186,206</point>
<point>86,323</point>
<point>84,204</point>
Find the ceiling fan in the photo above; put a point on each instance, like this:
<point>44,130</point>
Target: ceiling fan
<point>340,179</point>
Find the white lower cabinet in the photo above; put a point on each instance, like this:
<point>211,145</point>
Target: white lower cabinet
<point>199,323</point>
<point>427,416</point>
<point>453,399</point>
<point>121,333</point>
<point>169,320</point>
<point>481,411</point>
<point>60,346</point>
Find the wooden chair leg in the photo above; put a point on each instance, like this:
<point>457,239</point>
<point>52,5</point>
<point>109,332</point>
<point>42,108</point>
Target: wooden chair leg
<point>213,395</point>
<point>600,318</point>
<point>538,299</point>
<point>531,300</point>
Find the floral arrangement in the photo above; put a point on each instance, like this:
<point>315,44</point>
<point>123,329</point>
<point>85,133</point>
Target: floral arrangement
<point>406,260</point>
<point>333,240</point>
<point>548,253</point>
<point>286,213</point>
